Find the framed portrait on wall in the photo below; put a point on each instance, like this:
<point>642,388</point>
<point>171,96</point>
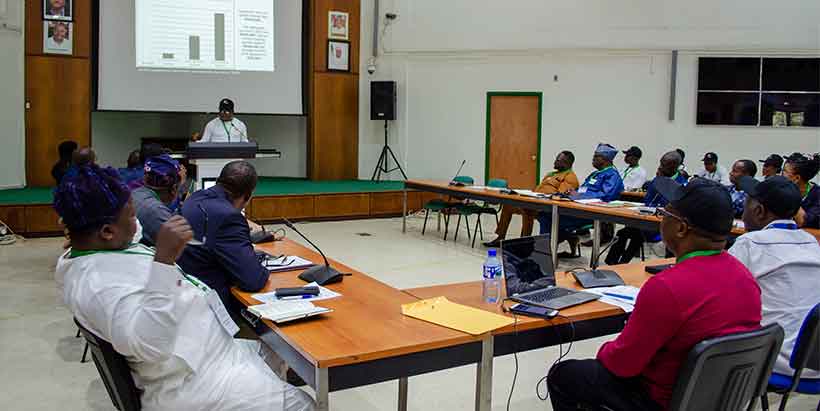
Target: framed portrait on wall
<point>338,55</point>
<point>57,10</point>
<point>338,25</point>
<point>57,37</point>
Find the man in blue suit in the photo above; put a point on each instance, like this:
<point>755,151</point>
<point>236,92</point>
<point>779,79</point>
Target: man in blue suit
<point>227,256</point>
<point>605,183</point>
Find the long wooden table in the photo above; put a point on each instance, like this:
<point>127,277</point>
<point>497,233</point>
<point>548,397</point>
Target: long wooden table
<point>366,340</point>
<point>556,208</point>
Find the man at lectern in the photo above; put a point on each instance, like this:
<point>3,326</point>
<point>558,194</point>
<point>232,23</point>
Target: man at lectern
<point>225,128</point>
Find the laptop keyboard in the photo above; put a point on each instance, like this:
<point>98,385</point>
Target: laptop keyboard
<point>549,294</point>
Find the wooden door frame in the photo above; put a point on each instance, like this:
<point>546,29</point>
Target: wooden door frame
<point>490,95</point>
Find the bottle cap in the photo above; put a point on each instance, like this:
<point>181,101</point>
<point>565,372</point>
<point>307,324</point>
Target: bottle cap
<point>491,253</point>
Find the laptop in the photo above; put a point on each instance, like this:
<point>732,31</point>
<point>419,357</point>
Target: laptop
<point>529,275</point>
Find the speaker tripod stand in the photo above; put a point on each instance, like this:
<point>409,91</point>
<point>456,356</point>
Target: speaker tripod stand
<point>383,166</point>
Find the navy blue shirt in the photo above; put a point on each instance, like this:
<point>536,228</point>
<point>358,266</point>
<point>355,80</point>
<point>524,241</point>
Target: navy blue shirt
<point>227,258</point>
<point>811,205</point>
<point>654,198</point>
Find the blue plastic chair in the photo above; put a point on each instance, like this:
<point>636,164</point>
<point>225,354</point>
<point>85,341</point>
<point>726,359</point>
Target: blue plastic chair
<point>805,354</point>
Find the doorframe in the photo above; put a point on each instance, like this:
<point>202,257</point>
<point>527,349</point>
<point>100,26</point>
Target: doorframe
<point>490,95</point>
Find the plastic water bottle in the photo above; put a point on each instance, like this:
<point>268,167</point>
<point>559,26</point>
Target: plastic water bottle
<point>491,290</point>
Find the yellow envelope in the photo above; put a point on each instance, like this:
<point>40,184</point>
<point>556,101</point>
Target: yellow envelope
<point>459,317</point>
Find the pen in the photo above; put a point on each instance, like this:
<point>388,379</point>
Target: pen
<point>623,297</point>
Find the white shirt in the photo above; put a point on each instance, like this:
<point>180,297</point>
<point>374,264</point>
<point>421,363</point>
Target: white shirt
<point>634,178</point>
<point>218,131</point>
<point>179,354</point>
<point>719,176</point>
<point>786,264</point>
<point>65,45</point>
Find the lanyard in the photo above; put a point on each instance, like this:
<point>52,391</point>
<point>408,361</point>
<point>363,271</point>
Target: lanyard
<point>694,254</point>
<point>226,131</point>
<point>675,177</point>
<point>595,174</point>
<point>809,186</point>
<point>558,173</point>
<point>139,249</point>
<point>629,171</point>
<point>783,226</point>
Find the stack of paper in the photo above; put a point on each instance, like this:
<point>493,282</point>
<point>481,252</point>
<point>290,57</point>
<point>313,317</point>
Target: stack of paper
<point>324,294</point>
<point>283,311</point>
<point>622,296</point>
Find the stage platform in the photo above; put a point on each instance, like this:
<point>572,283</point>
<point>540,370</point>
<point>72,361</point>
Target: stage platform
<point>28,211</point>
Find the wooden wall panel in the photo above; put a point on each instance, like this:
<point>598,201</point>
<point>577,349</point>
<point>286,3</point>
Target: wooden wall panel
<point>320,16</point>
<point>392,203</point>
<point>80,30</point>
<point>14,217</point>
<point>333,109</point>
<point>42,219</point>
<point>59,94</point>
<point>274,208</point>
<point>343,205</point>
<point>334,145</point>
<point>58,90</point>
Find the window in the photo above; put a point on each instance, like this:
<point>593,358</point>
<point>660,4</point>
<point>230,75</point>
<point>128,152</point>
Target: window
<point>766,92</point>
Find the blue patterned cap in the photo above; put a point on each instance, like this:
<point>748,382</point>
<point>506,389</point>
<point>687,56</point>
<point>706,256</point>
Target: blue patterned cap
<point>607,151</point>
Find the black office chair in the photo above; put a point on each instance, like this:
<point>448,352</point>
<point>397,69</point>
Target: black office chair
<point>114,371</point>
<point>727,373</point>
<point>805,354</point>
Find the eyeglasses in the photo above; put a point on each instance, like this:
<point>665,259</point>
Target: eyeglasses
<point>662,212</point>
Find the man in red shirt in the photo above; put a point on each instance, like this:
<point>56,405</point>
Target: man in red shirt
<point>708,293</point>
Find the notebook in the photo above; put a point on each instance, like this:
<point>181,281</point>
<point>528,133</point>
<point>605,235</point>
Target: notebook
<point>284,311</point>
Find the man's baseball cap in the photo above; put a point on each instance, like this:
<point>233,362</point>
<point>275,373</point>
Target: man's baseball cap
<point>703,203</point>
<point>710,158</point>
<point>634,151</point>
<point>226,104</point>
<point>774,160</point>
<point>778,194</point>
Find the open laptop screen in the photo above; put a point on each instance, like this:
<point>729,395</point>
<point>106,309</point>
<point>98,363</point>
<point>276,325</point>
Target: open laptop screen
<point>527,264</point>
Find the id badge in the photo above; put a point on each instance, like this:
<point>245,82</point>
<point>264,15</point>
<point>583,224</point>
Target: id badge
<point>582,190</point>
<point>221,313</point>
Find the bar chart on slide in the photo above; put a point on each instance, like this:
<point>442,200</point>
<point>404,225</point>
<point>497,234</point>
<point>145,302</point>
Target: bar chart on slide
<point>205,35</point>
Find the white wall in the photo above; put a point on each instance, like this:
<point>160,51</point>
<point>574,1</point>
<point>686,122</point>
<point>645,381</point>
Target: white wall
<point>612,60</point>
<point>12,89</point>
<point>115,134</point>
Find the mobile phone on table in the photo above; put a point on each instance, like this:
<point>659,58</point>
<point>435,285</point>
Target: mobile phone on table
<point>534,311</point>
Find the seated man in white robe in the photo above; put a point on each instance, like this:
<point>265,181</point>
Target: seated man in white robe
<point>172,329</point>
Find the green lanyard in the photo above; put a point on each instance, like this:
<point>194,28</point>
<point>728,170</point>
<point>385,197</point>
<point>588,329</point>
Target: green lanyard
<point>226,131</point>
<point>694,254</point>
<point>675,177</point>
<point>595,174</point>
<point>808,190</point>
<point>558,173</point>
<point>139,249</point>
<point>629,171</point>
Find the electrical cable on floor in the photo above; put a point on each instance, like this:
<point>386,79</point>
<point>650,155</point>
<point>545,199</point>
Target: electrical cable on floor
<point>7,235</point>
<point>561,356</point>
<point>515,356</point>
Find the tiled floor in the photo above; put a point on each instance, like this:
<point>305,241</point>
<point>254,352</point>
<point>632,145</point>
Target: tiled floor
<point>40,358</point>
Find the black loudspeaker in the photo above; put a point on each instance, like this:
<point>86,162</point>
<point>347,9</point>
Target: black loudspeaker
<point>383,100</point>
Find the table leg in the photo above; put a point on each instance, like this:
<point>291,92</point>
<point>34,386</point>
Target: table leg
<point>596,243</point>
<point>484,376</point>
<point>403,394</point>
<point>322,390</point>
<point>404,214</point>
<point>554,236</point>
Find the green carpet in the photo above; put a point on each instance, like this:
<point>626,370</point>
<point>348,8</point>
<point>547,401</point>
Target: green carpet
<point>268,186</point>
